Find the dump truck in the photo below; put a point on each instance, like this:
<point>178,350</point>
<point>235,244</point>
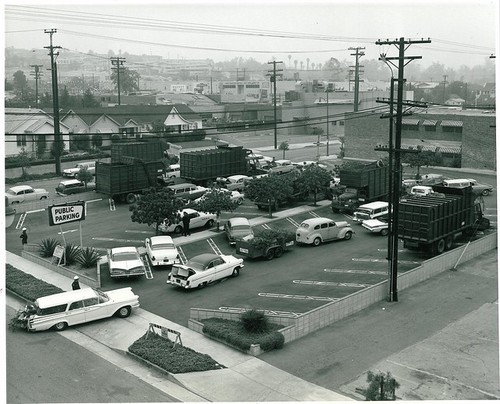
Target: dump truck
<point>433,221</point>
<point>204,166</point>
<point>360,183</point>
<point>267,243</point>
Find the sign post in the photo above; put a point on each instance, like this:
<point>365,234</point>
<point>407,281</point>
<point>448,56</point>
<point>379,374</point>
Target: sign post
<point>59,253</point>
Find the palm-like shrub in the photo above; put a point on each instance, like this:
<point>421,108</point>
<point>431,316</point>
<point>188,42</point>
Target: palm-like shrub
<point>71,253</point>
<point>47,247</point>
<point>255,321</point>
<point>88,257</point>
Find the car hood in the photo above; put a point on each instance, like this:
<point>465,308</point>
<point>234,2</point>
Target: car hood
<point>71,170</point>
<point>127,264</point>
<point>122,294</point>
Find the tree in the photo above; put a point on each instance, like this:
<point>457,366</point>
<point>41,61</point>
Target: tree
<point>65,99</point>
<point>314,179</point>
<point>154,206</point>
<point>129,80</point>
<point>382,387</point>
<point>96,140</point>
<point>24,161</point>
<point>85,176</point>
<point>41,145</point>
<point>423,158</point>
<point>57,148</point>
<point>88,100</point>
<point>270,190</point>
<point>284,146</point>
<point>20,80</point>
<point>216,201</point>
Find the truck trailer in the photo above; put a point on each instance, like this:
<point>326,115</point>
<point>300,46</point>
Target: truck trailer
<point>433,221</point>
<point>360,183</point>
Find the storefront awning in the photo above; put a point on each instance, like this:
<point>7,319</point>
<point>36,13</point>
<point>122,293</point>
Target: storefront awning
<point>429,122</point>
<point>410,122</point>
<point>452,124</point>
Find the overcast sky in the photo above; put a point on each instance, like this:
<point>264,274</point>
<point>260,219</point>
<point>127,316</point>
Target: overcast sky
<point>462,32</point>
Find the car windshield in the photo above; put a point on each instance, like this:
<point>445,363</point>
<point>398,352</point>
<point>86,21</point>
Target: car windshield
<point>164,246</point>
<point>124,256</point>
<point>103,297</point>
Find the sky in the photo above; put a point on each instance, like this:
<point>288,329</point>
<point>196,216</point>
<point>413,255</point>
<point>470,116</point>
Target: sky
<point>462,32</point>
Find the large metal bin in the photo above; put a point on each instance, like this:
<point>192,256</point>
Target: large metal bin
<point>146,151</point>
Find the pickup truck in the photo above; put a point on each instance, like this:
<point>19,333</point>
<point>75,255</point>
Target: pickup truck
<point>376,226</point>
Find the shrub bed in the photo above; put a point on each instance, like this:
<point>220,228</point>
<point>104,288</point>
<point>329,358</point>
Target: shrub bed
<point>235,334</point>
<point>161,352</point>
<point>26,285</point>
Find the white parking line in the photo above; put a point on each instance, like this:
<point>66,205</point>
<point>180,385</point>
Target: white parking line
<point>326,283</point>
<point>298,297</point>
<point>356,271</point>
<point>314,214</point>
<point>348,216</point>
<point>182,256</point>
<point>147,266</point>
<point>138,231</point>
<point>67,231</point>
<point>112,206</point>
<point>292,221</point>
<point>383,260</point>
<point>118,239</point>
<point>21,220</point>
<point>214,246</point>
<point>266,312</point>
<point>94,200</point>
<point>266,226</point>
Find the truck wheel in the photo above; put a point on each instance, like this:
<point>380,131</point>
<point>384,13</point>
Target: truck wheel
<point>440,245</point>
<point>316,242</point>
<point>449,242</point>
<point>278,252</point>
<point>384,232</point>
<point>348,235</point>
<point>131,198</point>
<point>269,254</point>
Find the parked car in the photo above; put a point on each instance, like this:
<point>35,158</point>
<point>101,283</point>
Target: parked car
<point>187,191</point>
<point>376,226</point>
<point>25,193</point>
<point>64,309</point>
<point>237,228</point>
<point>161,250</point>
<point>321,229</point>
<point>421,190</point>
<point>198,219</point>
<point>479,189</point>
<point>373,210</point>
<point>69,187</point>
<point>203,269</point>
<point>72,172</point>
<point>234,182</point>
<point>125,262</point>
<point>235,196</point>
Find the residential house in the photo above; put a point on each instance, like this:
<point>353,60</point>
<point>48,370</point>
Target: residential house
<point>31,130</point>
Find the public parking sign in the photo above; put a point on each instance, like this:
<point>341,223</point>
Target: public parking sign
<point>66,213</point>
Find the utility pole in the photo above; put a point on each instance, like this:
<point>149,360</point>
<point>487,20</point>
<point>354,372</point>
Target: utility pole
<point>37,74</point>
<point>273,80</point>
<point>356,67</point>
<point>403,60</point>
<point>444,87</point>
<point>327,123</point>
<point>55,101</point>
<point>118,62</point>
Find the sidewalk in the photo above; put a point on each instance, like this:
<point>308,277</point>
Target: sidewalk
<point>246,378</point>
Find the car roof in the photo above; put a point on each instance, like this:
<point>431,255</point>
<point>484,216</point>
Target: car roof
<point>119,250</point>
<point>375,205</point>
<point>317,220</point>
<point>183,185</point>
<point>18,188</point>
<point>161,240</point>
<point>65,297</point>
<point>204,258</point>
<point>188,211</point>
<point>238,176</point>
<point>238,221</point>
<point>69,182</point>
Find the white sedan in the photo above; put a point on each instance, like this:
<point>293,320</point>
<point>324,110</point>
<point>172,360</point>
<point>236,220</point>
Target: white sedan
<point>376,226</point>
<point>203,269</point>
<point>235,196</point>
<point>25,193</point>
<point>197,219</point>
<point>161,250</point>
<point>125,262</point>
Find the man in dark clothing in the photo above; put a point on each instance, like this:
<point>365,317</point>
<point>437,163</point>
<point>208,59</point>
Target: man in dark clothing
<point>185,224</point>
<point>24,237</point>
<point>75,285</point>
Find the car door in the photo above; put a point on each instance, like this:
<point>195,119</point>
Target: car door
<point>29,195</point>
<point>220,268</point>
<point>76,313</point>
<point>333,231</point>
<point>196,220</point>
<point>93,311</point>
<point>324,230</point>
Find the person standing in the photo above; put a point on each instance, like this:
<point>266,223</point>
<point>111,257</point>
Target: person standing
<point>76,284</point>
<point>24,237</point>
<point>185,224</point>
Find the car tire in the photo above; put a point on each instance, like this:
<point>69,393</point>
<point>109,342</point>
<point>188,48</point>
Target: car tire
<point>178,230</point>
<point>131,198</point>
<point>348,235</point>
<point>61,326</point>
<point>236,272</point>
<point>43,197</point>
<point>486,192</point>
<point>210,223</point>
<point>202,285</point>
<point>384,232</point>
<point>316,242</point>
<point>124,312</point>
